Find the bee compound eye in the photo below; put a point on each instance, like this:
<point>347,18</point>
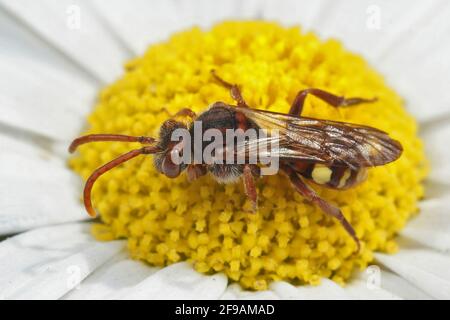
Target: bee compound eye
<point>169,168</point>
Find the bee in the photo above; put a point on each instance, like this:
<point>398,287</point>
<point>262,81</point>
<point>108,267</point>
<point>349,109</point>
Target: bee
<point>332,154</point>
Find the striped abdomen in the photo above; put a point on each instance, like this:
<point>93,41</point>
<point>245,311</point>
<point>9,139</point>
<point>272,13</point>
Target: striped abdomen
<point>331,176</point>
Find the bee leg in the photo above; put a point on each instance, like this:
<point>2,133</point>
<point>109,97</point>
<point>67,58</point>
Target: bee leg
<point>335,101</point>
<point>329,209</point>
<point>195,171</point>
<point>185,112</point>
<point>249,185</point>
<point>235,92</point>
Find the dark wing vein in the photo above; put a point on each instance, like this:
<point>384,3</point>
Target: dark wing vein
<point>324,141</point>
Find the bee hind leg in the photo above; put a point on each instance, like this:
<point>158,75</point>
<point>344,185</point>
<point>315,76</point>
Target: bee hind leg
<point>329,209</point>
<point>334,100</point>
<point>235,91</point>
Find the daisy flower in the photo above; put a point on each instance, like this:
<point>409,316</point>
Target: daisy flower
<point>62,62</point>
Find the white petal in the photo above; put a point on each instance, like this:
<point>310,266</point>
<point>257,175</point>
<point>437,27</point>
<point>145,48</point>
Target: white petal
<point>177,281</point>
<point>112,279</point>
<point>359,290</point>
<point>73,28</point>
<point>425,269</point>
<point>17,40</point>
<point>152,21</point>
<point>405,44</point>
<point>417,63</point>
<point>235,292</point>
<point>305,14</point>
<point>36,188</point>
<point>374,283</point>
<point>204,12</point>
<point>436,135</point>
<point>361,28</point>
<point>396,285</point>
<point>47,263</point>
<point>156,20</point>
<point>42,99</point>
<point>432,226</point>
<point>326,290</point>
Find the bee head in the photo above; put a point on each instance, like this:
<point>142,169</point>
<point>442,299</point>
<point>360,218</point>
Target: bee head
<point>167,161</point>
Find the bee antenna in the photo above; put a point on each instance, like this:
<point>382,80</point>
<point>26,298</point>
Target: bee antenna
<point>108,137</point>
<point>106,167</point>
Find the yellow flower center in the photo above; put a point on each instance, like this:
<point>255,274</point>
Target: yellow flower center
<point>170,220</point>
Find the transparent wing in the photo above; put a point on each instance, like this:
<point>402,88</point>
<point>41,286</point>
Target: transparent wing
<point>323,141</point>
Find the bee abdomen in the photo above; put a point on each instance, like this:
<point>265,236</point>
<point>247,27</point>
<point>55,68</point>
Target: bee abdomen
<point>333,176</point>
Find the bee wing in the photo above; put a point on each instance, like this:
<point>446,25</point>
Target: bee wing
<point>323,141</point>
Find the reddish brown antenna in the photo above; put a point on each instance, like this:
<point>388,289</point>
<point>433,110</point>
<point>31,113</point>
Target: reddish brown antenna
<point>113,163</point>
<point>107,137</point>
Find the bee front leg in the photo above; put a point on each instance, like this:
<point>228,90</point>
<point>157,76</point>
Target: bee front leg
<point>235,92</point>
<point>334,100</point>
<point>329,209</point>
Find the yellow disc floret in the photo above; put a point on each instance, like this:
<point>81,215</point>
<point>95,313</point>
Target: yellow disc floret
<point>170,220</point>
